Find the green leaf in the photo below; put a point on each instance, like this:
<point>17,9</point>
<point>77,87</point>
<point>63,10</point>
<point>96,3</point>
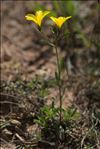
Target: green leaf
<point>71,114</point>
<point>62,64</point>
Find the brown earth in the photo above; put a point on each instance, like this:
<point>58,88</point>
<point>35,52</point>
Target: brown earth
<point>24,55</point>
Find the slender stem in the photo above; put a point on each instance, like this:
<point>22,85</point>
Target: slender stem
<point>59,83</point>
<point>57,58</point>
<point>58,71</point>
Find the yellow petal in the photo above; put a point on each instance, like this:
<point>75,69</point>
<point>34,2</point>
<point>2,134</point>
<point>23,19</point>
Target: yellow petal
<point>60,20</point>
<point>31,17</point>
<point>57,21</point>
<point>68,17</point>
<point>40,15</point>
<point>54,19</point>
<point>45,13</point>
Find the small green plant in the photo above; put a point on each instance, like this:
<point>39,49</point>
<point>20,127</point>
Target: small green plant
<point>57,32</point>
<point>71,114</point>
<point>47,113</point>
<point>50,113</point>
<point>48,121</point>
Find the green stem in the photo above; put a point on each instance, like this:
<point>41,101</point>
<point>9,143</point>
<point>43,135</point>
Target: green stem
<point>59,83</point>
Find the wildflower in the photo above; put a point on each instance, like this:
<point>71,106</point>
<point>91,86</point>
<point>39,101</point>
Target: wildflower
<point>60,20</point>
<point>38,17</point>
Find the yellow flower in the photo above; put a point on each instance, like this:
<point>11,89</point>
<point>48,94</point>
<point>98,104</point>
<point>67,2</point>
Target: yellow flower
<point>60,20</point>
<point>38,17</point>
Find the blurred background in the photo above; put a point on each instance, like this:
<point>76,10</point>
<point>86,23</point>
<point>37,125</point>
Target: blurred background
<point>24,53</point>
<point>28,67</point>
